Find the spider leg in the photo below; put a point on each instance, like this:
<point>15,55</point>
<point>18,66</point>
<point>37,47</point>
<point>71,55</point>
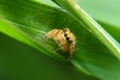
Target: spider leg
<point>56,50</point>
<point>49,34</point>
<point>71,51</point>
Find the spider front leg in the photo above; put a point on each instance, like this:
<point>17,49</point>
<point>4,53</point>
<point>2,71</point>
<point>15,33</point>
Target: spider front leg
<point>50,34</point>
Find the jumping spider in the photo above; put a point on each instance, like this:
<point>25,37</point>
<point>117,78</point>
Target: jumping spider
<point>65,40</point>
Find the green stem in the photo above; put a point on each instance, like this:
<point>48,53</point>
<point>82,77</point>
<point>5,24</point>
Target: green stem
<point>74,9</point>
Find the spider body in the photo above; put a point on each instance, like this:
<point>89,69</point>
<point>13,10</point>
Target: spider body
<point>65,40</point>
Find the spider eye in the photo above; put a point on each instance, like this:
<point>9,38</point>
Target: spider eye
<point>70,41</point>
<point>67,38</point>
<point>65,34</point>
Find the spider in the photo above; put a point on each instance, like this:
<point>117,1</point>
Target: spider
<point>65,40</point>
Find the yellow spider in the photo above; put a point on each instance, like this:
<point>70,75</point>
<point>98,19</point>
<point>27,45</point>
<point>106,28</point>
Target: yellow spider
<point>65,40</point>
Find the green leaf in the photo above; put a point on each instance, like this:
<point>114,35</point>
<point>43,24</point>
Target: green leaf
<point>28,21</point>
<point>91,25</point>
